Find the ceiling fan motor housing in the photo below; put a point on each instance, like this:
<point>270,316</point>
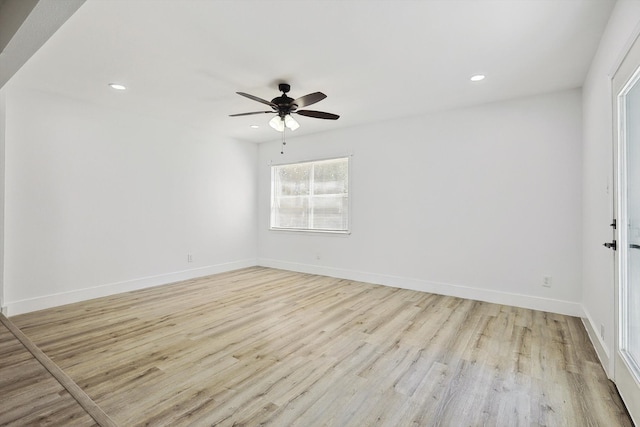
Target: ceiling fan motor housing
<point>284,103</point>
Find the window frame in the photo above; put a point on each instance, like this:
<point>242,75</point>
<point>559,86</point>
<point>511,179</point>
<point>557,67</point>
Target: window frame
<point>272,165</point>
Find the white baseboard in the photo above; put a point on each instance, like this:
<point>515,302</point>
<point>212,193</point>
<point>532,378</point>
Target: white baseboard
<point>602,350</point>
<point>4,310</point>
<point>54,300</point>
<point>497,297</point>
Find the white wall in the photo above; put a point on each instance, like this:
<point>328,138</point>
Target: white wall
<point>598,273</point>
<point>479,202</point>
<point>99,201</point>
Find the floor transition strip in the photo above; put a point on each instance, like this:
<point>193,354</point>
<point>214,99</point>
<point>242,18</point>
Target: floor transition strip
<point>74,389</point>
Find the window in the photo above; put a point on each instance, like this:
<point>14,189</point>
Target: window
<point>311,196</point>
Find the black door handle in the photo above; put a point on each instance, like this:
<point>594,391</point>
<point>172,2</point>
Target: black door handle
<point>613,245</point>
<point>634,246</point>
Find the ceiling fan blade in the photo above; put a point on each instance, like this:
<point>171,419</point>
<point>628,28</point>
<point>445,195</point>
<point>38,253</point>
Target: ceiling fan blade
<point>318,114</point>
<point>249,114</point>
<point>309,99</point>
<point>255,98</point>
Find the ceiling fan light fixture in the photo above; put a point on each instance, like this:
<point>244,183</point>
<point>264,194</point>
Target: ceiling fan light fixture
<point>290,122</point>
<point>277,123</point>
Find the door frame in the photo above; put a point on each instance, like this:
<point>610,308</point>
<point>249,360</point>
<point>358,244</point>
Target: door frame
<point>626,76</point>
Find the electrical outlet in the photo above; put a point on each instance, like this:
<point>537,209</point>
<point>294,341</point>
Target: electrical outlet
<point>546,281</point>
<point>189,257</point>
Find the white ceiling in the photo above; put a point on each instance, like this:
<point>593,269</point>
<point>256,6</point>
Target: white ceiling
<point>183,60</point>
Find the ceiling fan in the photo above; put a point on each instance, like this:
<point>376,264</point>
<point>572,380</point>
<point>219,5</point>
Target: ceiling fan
<point>284,106</point>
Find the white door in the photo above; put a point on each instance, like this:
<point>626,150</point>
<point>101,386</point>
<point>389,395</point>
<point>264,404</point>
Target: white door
<point>626,94</point>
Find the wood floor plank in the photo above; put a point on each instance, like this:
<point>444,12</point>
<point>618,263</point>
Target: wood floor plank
<point>261,346</point>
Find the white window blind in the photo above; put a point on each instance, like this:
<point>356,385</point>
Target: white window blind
<point>311,196</point>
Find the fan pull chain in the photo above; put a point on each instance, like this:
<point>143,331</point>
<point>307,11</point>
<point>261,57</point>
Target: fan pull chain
<point>283,142</point>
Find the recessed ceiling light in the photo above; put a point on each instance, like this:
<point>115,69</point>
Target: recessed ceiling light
<point>254,126</point>
<point>477,77</point>
<point>117,86</point>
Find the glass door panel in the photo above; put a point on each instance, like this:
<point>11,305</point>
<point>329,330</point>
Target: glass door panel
<point>630,289</point>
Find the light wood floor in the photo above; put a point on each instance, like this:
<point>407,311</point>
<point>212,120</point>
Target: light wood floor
<point>269,347</point>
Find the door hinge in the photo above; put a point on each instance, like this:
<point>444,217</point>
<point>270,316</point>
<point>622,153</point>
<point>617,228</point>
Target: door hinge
<point>614,224</point>
<point>613,245</point>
